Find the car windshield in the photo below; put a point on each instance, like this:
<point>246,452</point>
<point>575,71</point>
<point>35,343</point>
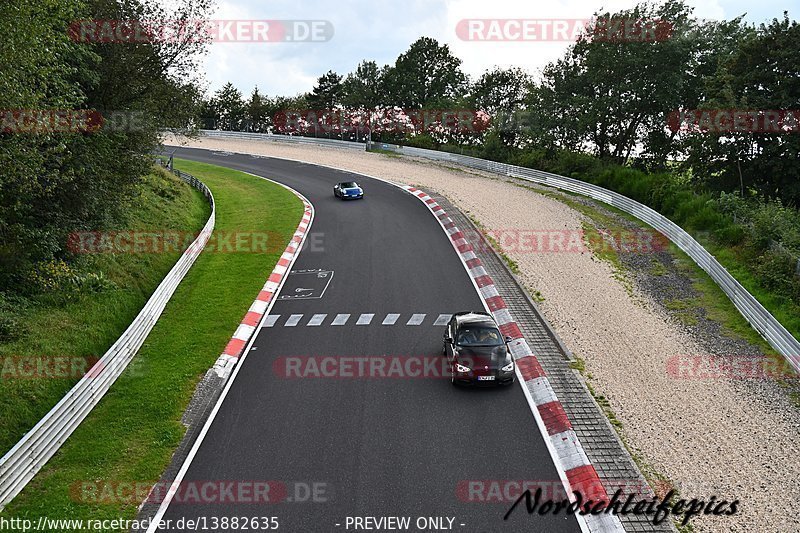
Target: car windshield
<point>349,185</point>
<point>479,336</point>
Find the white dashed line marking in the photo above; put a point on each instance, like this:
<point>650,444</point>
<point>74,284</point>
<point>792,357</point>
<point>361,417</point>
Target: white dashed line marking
<point>340,320</point>
<point>365,319</point>
<point>316,320</point>
<point>442,320</point>
<point>416,319</point>
<point>293,320</point>
<point>390,319</point>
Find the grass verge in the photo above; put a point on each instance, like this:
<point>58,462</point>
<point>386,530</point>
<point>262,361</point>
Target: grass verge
<point>131,435</point>
<point>76,325</point>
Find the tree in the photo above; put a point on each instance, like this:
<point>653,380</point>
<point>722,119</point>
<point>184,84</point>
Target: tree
<point>501,93</point>
<point>762,73</point>
<point>208,114</point>
<point>427,74</point>
<point>613,93</point>
<point>257,113</point>
<point>229,107</point>
<point>327,93</point>
<point>58,181</point>
<point>364,89</point>
<point>501,90</point>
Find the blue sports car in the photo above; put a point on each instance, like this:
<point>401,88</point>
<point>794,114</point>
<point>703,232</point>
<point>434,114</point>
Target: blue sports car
<point>347,190</point>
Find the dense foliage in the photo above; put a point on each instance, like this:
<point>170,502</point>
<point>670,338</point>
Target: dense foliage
<point>58,180</point>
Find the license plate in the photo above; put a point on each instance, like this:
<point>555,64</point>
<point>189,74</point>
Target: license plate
<point>485,378</point>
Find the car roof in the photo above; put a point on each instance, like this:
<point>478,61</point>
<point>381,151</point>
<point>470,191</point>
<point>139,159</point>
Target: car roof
<point>475,317</point>
<point>351,181</point>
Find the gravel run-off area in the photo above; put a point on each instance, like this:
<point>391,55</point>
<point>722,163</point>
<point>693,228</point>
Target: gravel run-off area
<point>736,439</point>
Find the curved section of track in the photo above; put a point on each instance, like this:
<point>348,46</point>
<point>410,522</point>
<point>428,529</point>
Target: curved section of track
<point>394,446</point>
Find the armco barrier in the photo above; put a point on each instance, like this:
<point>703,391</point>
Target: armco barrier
<point>755,313</point>
<point>23,461</point>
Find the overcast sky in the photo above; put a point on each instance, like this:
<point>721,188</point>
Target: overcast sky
<point>381,30</point>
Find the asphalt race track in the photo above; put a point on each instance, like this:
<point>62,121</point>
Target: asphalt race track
<point>370,447</point>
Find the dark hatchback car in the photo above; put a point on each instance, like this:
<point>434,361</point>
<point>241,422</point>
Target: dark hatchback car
<point>348,190</point>
<point>476,350</point>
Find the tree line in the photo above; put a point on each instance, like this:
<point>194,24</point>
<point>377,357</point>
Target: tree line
<point>79,120</point>
<point>608,98</point>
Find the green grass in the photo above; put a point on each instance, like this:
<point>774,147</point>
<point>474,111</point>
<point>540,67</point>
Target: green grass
<point>781,307</point>
<point>716,304</point>
<point>683,310</point>
<point>657,269</point>
<point>78,324</point>
<point>131,435</point>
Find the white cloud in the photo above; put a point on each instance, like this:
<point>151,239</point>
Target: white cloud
<point>371,29</point>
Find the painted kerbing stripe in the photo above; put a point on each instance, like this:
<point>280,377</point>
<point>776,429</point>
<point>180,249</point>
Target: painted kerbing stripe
<point>572,461</point>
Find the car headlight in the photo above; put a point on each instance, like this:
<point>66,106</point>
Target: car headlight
<point>462,368</point>
<point>509,367</point>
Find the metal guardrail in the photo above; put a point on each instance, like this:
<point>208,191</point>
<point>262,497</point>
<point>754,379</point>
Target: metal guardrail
<point>295,139</point>
<point>26,458</point>
<point>755,313</point>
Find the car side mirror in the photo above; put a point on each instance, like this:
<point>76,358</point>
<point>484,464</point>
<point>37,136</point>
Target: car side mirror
<point>508,339</point>
<point>448,339</point>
